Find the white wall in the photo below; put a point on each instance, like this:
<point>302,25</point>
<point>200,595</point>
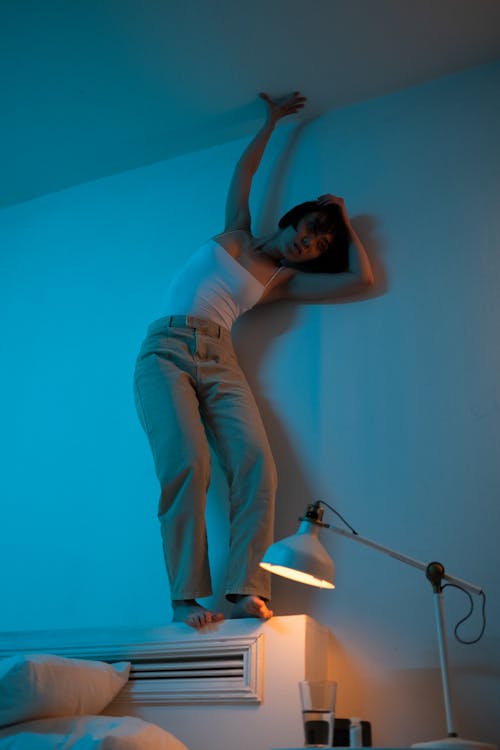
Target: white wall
<point>388,408</point>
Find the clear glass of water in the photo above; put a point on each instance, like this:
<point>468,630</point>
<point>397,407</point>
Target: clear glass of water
<point>318,711</point>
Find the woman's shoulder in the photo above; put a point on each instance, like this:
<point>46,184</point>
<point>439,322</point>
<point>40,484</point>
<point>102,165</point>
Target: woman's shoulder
<point>235,241</point>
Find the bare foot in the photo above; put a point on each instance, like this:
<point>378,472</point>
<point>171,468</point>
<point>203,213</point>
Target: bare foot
<point>193,614</point>
<point>251,606</point>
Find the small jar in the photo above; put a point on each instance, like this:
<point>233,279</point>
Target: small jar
<point>355,735</point>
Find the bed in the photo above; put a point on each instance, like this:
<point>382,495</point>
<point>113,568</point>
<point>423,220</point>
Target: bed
<point>51,702</point>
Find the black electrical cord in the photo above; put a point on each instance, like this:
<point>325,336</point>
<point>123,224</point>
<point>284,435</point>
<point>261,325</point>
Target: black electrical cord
<point>465,641</point>
<point>341,517</point>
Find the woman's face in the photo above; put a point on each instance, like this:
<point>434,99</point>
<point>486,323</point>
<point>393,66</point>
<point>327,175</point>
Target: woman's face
<point>308,241</point>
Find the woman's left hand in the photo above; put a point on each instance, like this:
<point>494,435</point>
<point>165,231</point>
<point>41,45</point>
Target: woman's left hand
<point>328,198</point>
<point>281,106</point>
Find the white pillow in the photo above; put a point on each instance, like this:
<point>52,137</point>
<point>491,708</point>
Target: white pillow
<point>35,686</point>
<point>89,733</point>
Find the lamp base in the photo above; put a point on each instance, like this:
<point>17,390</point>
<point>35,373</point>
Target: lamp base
<point>455,743</point>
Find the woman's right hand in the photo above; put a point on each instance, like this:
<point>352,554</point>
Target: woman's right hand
<point>281,106</point>
<point>328,198</point>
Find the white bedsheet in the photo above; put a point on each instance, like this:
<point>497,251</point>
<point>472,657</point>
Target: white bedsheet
<point>88,733</point>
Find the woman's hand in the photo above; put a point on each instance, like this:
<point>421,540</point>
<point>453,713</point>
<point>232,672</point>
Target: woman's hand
<point>281,106</point>
<point>237,203</point>
<point>328,198</point>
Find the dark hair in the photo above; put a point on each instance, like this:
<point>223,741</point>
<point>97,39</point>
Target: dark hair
<point>335,259</point>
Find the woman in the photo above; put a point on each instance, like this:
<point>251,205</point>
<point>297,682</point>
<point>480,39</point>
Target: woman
<point>190,389</point>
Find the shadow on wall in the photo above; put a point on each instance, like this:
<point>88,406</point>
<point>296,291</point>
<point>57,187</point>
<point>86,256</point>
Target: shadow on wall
<point>273,201</point>
<point>253,336</point>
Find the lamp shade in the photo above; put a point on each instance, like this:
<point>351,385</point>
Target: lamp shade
<point>301,557</point>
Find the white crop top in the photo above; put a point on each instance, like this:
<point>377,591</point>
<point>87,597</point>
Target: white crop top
<point>214,285</point>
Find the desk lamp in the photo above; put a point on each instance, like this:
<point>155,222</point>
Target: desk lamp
<point>303,558</point>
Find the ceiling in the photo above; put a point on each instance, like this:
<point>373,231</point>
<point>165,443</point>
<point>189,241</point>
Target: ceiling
<point>95,87</point>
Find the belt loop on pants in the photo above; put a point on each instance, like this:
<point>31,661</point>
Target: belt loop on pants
<point>202,325</point>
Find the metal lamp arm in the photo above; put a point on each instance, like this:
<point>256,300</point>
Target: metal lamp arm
<point>402,558</point>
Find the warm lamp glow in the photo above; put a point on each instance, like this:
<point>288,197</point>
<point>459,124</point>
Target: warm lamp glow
<point>297,575</point>
<point>302,558</point>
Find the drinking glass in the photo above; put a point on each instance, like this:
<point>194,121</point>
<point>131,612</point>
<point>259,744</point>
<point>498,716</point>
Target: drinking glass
<point>318,711</point>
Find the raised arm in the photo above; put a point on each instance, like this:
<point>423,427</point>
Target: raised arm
<point>237,203</point>
<point>329,287</point>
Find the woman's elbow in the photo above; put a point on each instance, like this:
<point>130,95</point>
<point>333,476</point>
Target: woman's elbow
<point>362,286</point>
<point>369,283</point>
<point>367,280</point>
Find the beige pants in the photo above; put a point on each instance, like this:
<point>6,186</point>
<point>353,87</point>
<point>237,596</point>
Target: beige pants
<point>190,387</point>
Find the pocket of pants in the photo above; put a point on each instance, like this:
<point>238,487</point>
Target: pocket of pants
<point>141,413</point>
<point>157,343</point>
